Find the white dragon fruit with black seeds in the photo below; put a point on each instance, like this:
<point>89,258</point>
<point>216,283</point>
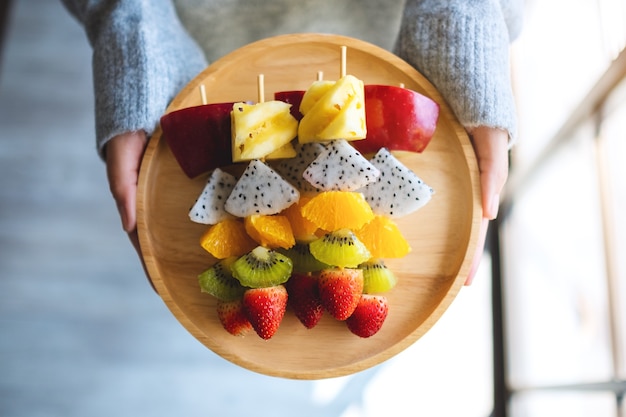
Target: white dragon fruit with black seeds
<point>291,169</point>
<point>209,206</point>
<point>260,190</point>
<point>398,191</point>
<point>340,167</point>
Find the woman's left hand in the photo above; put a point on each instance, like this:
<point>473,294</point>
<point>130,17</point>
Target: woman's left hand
<point>491,146</point>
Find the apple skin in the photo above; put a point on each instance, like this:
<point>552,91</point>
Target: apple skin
<point>397,118</point>
<point>293,97</point>
<point>199,137</point>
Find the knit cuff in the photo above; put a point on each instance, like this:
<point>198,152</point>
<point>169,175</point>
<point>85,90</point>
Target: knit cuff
<point>142,57</point>
<point>464,52</point>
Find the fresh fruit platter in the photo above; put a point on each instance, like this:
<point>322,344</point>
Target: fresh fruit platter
<point>309,206</point>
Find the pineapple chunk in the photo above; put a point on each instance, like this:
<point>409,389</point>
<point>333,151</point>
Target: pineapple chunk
<point>347,124</point>
<point>344,99</point>
<point>261,129</point>
<point>313,94</point>
<point>285,151</point>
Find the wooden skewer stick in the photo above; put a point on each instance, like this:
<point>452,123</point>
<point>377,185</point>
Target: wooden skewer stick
<point>320,75</point>
<point>342,69</point>
<point>401,85</point>
<point>203,94</point>
<point>261,94</point>
<point>261,87</point>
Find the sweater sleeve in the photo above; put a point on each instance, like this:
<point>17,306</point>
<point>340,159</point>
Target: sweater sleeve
<point>142,57</point>
<point>462,47</point>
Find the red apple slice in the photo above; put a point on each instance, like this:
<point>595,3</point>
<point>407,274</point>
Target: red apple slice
<point>398,119</point>
<point>294,98</point>
<point>199,137</point>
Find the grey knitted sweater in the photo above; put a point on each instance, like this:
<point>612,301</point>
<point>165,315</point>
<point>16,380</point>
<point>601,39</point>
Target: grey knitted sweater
<point>145,51</point>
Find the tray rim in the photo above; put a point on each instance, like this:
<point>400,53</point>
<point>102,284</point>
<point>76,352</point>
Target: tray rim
<point>151,263</point>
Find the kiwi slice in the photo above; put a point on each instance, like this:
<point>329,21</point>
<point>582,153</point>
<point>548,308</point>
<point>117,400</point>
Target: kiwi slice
<point>303,261</point>
<point>219,282</point>
<point>340,248</point>
<point>377,277</point>
<point>262,267</point>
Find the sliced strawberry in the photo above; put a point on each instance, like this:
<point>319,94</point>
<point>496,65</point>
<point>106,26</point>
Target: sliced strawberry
<point>232,317</point>
<point>340,290</point>
<point>304,299</point>
<point>369,315</point>
<point>265,308</point>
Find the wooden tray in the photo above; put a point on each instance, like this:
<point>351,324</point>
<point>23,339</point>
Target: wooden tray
<point>443,235</point>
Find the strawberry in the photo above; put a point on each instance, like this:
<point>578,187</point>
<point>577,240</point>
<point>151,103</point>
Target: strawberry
<point>340,290</point>
<point>304,298</point>
<point>369,315</point>
<point>265,308</point>
<point>232,317</point>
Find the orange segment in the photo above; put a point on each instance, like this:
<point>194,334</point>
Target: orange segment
<point>303,229</point>
<point>383,238</point>
<point>270,231</point>
<point>227,238</point>
<point>334,210</point>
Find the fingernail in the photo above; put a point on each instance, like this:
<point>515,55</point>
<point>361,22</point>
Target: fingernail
<point>495,206</point>
<point>124,218</point>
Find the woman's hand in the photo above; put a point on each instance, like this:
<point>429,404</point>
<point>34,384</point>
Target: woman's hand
<point>123,159</point>
<point>491,148</point>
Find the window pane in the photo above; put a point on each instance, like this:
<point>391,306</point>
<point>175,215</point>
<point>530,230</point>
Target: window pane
<point>555,66</point>
<point>570,404</point>
<point>555,287</point>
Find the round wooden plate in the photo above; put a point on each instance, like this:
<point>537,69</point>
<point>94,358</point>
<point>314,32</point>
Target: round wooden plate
<point>443,235</point>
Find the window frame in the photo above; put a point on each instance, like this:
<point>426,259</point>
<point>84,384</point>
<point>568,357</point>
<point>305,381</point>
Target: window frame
<point>592,107</point>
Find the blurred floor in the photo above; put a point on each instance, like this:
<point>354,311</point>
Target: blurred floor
<point>81,332</point>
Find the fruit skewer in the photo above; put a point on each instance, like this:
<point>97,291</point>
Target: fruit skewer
<point>257,268</point>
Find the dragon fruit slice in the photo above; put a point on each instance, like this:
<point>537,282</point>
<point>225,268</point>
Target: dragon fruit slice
<point>209,206</point>
<point>291,169</point>
<point>260,190</point>
<point>398,191</point>
<point>340,167</point>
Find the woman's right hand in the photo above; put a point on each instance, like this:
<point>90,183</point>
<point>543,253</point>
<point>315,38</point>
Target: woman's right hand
<point>123,160</point>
